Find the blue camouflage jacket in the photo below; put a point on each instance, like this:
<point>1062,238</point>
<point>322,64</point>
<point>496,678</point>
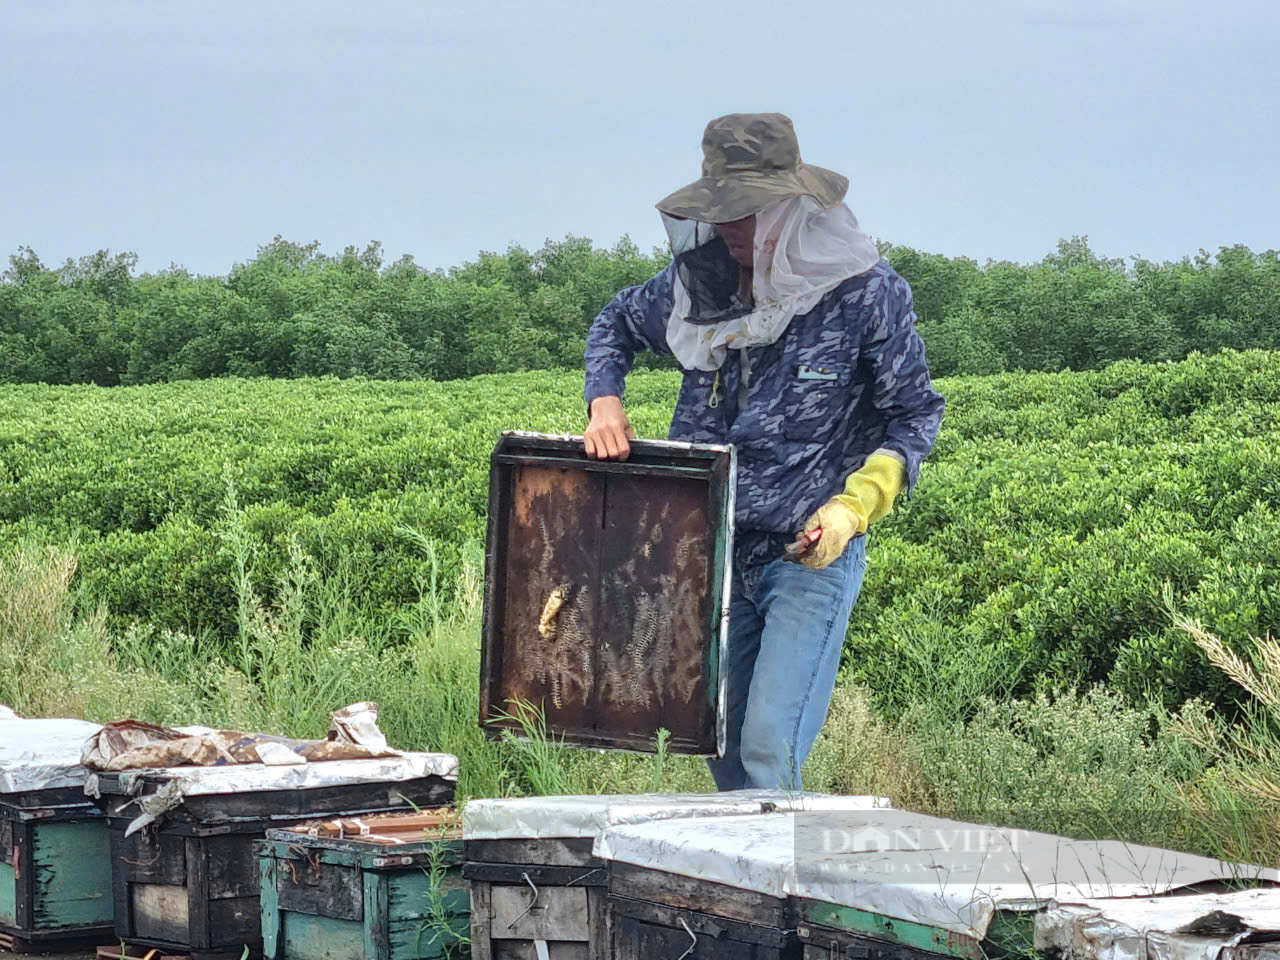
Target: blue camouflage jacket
<point>845,379</point>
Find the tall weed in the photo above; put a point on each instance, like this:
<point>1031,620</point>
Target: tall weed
<point>292,663</point>
<point>1240,803</point>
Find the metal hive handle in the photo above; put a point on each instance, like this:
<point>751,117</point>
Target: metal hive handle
<point>525,913</point>
<point>692,936</point>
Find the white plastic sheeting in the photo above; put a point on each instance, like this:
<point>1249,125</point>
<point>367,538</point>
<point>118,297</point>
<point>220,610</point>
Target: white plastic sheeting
<point>41,754</point>
<point>543,818</point>
<point>1202,927</point>
<point>257,777</point>
<point>942,873</point>
<point>158,791</point>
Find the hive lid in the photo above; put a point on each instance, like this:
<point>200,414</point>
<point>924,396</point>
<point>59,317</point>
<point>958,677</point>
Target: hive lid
<point>257,777</point>
<point>41,754</point>
<point>570,817</point>
<point>606,592</point>
<point>946,874</point>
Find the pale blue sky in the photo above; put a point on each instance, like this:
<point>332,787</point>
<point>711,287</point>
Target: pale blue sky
<point>193,132</point>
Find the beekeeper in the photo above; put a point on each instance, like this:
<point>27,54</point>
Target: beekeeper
<point>799,347</point>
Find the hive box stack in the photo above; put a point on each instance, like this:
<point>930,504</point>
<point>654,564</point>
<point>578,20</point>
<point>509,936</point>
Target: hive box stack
<point>878,884</point>
<point>187,881</point>
<point>378,888</point>
<point>55,888</point>
<point>537,888</point>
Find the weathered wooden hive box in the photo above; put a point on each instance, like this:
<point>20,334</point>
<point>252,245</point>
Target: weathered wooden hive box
<point>188,882</point>
<point>536,883</point>
<point>713,889</point>
<point>55,888</point>
<point>376,888</point>
<point>875,884</point>
<point>605,600</point>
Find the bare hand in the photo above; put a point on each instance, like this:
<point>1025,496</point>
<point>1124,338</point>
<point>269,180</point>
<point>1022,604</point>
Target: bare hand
<point>609,430</point>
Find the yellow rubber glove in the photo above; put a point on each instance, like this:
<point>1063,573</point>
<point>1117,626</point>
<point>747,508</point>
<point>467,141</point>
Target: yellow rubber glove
<point>868,495</point>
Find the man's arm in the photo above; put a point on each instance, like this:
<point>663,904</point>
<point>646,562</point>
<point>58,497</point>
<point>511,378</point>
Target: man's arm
<point>901,388</point>
<point>636,319</point>
<point>902,392</point>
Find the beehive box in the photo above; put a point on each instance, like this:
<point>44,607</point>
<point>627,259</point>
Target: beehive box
<point>55,889</point>
<point>606,600</point>
<point>671,896</point>
<point>876,884</point>
<point>536,883</point>
<point>55,875</point>
<point>189,882</point>
<point>384,888</point>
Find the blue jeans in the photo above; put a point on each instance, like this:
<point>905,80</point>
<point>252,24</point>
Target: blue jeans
<point>787,625</point>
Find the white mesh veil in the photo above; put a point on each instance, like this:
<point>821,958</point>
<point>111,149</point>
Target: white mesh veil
<point>802,252</point>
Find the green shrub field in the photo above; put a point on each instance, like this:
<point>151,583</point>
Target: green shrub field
<point>1053,512</point>
<point>255,552</point>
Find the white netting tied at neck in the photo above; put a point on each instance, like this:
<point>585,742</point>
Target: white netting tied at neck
<point>802,252</point>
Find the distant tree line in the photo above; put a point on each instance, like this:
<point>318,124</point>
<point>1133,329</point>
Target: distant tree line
<point>292,311</point>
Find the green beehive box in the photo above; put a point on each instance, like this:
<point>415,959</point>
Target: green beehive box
<point>55,875</point>
<point>384,888</point>
<point>55,872</point>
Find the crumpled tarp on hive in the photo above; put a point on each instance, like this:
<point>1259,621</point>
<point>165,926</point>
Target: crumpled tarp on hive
<point>159,767</point>
<point>132,744</point>
<point>1200,927</point>
<point>41,754</point>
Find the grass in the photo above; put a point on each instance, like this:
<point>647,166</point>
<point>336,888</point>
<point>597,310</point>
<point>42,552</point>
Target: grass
<point>442,926</point>
<point>1084,763</point>
<point>291,663</point>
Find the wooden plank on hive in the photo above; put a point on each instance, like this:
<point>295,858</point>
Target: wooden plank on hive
<point>269,909</point>
<point>670,889</point>
<point>321,938</point>
<point>200,933</point>
<point>158,911</point>
<point>321,889</point>
<point>553,913</point>
<point>571,852</point>
<point>600,925</point>
<point>72,874</point>
<point>377,943</point>
<point>826,919</point>
<point>528,950</point>
<point>481,920</point>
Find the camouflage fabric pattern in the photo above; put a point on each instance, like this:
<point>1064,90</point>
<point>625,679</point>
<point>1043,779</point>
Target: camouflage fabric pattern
<point>844,380</point>
<point>751,160</point>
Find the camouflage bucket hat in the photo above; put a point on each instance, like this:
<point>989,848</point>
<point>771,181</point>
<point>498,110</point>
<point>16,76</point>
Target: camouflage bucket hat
<point>751,160</point>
